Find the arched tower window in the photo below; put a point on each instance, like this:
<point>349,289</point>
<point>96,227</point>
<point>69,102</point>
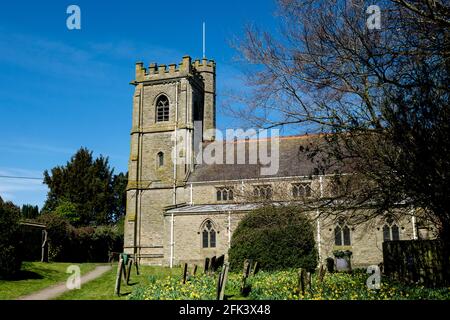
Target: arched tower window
<point>160,159</point>
<point>162,109</point>
<point>342,234</point>
<point>208,235</point>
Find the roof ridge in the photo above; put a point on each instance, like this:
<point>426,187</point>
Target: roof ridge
<point>290,137</point>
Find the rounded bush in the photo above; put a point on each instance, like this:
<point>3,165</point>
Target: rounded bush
<point>10,257</point>
<point>276,237</point>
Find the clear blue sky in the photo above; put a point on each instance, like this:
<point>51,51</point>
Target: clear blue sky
<point>62,89</point>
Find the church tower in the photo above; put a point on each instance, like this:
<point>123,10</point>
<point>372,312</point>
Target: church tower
<point>173,110</point>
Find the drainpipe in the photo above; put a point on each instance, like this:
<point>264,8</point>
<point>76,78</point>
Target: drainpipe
<point>171,242</point>
<point>413,221</point>
<point>175,147</point>
<point>137,220</point>
<point>191,195</point>
<point>319,251</point>
<point>321,186</point>
<point>174,176</point>
<point>229,229</point>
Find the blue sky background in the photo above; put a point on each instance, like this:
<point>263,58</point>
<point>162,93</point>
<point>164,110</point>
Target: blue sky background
<point>62,89</point>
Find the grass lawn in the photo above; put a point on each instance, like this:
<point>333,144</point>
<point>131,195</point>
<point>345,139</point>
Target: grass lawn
<point>102,288</point>
<point>35,276</point>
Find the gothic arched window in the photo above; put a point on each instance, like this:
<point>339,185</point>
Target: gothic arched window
<point>162,109</point>
<point>300,190</point>
<point>390,230</point>
<point>262,192</point>
<point>224,194</point>
<point>342,234</point>
<point>208,235</point>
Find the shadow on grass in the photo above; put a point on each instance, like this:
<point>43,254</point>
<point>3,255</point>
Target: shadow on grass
<point>25,275</point>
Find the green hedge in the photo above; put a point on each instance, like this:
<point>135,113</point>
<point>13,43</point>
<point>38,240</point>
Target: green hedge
<point>10,260</point>
<point>31,243</point>
<point>276,237</point>
<point>84,244</point>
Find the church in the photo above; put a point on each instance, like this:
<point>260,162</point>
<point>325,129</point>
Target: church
<point>182,210</point>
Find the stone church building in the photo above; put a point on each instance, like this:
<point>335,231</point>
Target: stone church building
<point>179,210</point>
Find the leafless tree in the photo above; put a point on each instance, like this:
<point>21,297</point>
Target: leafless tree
<point>379,97</point>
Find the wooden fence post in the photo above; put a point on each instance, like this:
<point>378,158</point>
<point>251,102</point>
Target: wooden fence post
<point>124,270</point>
<point>118,276</point>
<point>130,264</point>
<point>185,272</point>
<point>44,253</point>
<point>136,264</point>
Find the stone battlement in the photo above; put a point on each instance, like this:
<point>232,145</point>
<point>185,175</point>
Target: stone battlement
<point>172,70</point>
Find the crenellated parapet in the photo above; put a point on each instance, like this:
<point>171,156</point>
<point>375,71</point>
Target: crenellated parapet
<point>163,71</point>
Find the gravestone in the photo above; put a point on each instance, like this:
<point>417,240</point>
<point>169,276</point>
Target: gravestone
<point>219,262</point>
<point>185,273</point>
<point>322,272</point>
<point>212,264</point>
<point>247,267</point>
<point>309,280</point>
<point>206,268</point>
<point>330,264</point>
<point>255,268</point>
<point>222,282</point>
<point>302,281</point>
<point>343,264</point>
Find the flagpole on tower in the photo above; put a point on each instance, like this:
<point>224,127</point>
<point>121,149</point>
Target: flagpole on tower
<point>204,40</point>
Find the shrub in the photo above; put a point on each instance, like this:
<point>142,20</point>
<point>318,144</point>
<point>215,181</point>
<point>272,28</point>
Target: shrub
<point>276,237</point>
<point>31,243</point>
<point>10,258</point>
<point>91,244</point>
<point>83,244</point>
<point>59,236</point>
<point>106,238</point>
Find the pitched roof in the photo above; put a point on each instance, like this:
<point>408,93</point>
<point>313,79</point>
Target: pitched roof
<point>293,161</point>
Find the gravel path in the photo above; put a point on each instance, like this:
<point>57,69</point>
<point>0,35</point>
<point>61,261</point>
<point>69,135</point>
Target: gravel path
<point>56,290</point>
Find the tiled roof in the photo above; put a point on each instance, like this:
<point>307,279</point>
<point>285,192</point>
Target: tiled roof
<point>293,161</point>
